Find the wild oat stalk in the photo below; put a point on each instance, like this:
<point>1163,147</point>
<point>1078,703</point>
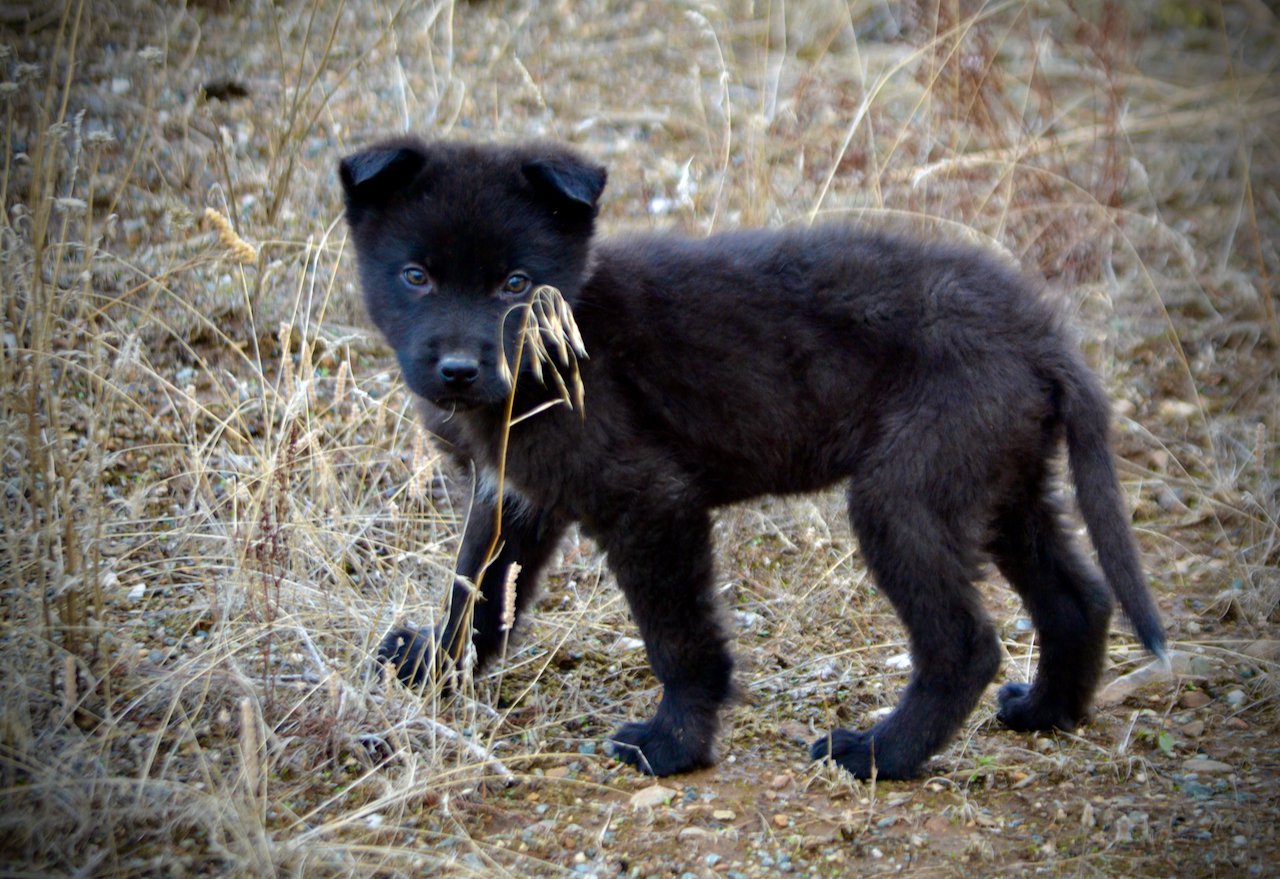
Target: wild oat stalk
<point>548,316</point>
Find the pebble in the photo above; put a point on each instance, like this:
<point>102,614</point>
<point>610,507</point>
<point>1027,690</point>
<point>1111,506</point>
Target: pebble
<point>1196,790</point>
<point>1124,829</point>
<point>654,795</point>
<point>781,820</point>
<point>1266,650</point>
<point>1194,729</point>
<point>1205,766</point>
<point>1194,699</point>
<point>724,815</point>
<point>1235,698</point>
<point>1126,685</point>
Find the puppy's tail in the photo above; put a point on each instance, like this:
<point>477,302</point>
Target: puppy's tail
<point>1086,415</point>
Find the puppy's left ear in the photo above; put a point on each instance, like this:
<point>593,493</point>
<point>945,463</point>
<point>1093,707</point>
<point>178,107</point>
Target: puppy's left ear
<point>567,180</point>
<point>371,176</point>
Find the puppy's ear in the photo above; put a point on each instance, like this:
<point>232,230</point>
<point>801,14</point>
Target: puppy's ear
<point>567,181</point>
<point>371,176</point>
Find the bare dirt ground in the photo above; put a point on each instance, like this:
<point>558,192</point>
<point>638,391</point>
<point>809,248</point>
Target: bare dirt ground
<point>216,497</point>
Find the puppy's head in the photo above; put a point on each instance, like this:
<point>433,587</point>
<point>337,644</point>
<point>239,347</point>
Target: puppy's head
<point>452,239</point>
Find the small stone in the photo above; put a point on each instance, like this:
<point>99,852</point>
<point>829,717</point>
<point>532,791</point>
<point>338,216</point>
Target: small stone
<point>795,731</point>
<point>724,814</point>
<point>1177,410</point>
<point>1204,766</point>
<point>558,772</point>
<point>1238,839</point>
<point>1043,745</point>
<point>780,820</point>
<point>137,593</point>
<point>1196,790</point>
<point>1202,666</point>
<point>1237,723</point>
<point>1087,819</point>
<point>1127,685</point>
<point>1194,699</point>
<point>900,661</point>
<point>1194,729</point>
<point>653,795</point>
<point>1235,698</point>
<point>1267,650</point>
<point>781,780</point>
<point>1124,829</point>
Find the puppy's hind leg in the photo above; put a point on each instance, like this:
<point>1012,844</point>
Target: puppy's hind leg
<point>920,565</point>
<point>663,564</point>
<point>1069,605</point>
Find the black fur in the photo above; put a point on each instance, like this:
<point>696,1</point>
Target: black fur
<point>932,379</point>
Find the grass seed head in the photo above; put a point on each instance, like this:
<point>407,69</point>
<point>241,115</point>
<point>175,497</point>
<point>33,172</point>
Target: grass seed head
<point>241,250</point>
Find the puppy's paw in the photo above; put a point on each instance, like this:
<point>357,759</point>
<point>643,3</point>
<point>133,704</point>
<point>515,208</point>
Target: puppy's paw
<point>859,752</point>
<point>411,652</point>
<point>1022,708</point>
<point>655,749</point>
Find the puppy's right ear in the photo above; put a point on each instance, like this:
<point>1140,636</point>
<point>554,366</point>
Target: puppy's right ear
<point>372,176</point>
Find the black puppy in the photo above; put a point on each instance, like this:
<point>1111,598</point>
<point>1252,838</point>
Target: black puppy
<point>934,380</point>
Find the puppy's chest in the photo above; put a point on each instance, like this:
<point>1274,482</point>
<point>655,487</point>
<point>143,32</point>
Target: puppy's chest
<point>539,460</point>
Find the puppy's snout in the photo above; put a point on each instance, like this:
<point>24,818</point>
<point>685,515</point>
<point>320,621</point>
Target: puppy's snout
<point>459,371</point>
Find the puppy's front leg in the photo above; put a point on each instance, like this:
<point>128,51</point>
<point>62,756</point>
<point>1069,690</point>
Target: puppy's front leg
<point>527,536</point>
<point>663,563</point>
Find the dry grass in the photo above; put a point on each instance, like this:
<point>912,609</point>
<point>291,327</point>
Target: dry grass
<point>216,497</point>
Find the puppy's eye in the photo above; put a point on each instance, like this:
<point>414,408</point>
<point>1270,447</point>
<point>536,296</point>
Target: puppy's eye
<point>516,284</point>
<point>416,276</point>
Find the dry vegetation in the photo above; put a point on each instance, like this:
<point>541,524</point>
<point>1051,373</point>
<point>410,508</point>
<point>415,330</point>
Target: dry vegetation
<point>215,496</point>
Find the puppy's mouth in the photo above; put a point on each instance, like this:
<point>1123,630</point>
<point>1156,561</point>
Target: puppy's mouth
<point>457,403</point>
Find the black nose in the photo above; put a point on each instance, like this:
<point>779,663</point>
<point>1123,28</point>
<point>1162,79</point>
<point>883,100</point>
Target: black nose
<point>459,371</point>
